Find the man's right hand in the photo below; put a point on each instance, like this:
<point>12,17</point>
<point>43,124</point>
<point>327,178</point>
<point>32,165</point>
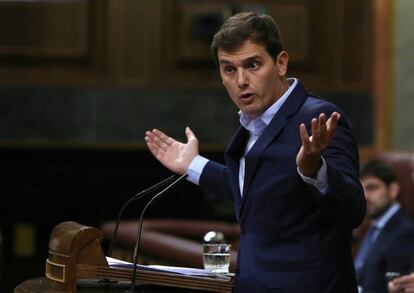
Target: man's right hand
<point>402,284</point>
<point>174,155</point>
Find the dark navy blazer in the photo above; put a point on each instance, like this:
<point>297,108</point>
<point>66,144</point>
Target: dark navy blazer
<point>393,251</point>
<point>293,239</point>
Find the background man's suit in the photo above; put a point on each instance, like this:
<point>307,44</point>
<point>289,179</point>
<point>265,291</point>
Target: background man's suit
<point>393,251</point>
<point>292,238</point>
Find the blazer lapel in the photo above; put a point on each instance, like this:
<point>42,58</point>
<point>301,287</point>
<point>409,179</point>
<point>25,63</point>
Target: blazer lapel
<point>232,157</point>
<point>290,107</point>
<point>253,156</point>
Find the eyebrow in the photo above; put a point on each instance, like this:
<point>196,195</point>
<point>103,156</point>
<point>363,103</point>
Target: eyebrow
<point>371,185</point>
<point>244,61</point>
<point>225,62</point>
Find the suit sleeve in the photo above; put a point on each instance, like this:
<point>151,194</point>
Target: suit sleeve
<point>344,202</point>
<point>214,180</point>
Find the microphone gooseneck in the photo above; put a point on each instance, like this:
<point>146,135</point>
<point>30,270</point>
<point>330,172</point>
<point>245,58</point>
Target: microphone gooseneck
<point>138,241</point>
<point>134,198</point>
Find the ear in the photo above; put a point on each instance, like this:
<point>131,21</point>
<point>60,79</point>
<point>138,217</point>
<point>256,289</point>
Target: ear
<point>394,189</point>
<point>282,61</point>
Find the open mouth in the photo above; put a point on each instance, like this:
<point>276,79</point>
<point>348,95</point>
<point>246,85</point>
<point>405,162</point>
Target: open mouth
<point>246,96</point>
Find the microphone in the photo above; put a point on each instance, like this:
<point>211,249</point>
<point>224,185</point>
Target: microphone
<point>138,241</point>
<point>134,198</point>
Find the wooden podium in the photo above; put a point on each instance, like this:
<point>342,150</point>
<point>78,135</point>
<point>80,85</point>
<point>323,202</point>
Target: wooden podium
<point>76,256</point>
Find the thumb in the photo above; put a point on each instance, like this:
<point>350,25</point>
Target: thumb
<point>189,134</point>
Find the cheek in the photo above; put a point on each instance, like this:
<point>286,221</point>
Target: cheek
<point>227,84</point>
<point>266,85</point>
<point>377,199</point>
<point>370,197</point>
<point>230,87</point>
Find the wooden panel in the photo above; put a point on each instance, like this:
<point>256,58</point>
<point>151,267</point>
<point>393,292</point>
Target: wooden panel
<point>196,22</point>
<point>187,29</point>
<point>166,43</point>
<point>135,41</point>
<point>318,34</point>
<point>293,22</point>
<point>382,71</point>
<point>357,45</point>
<point>26,32</point>
<point>50,40</point>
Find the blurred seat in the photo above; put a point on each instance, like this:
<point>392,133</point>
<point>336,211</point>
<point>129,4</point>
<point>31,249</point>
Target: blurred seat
<point>174,242</point>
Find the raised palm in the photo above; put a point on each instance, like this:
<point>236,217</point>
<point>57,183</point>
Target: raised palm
<point>174,155</point>
<point>309,156</point>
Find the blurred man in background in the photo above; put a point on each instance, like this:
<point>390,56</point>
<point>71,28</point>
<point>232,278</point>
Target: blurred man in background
<point>388,245</point>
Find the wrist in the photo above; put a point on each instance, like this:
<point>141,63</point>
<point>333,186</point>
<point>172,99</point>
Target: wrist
<point>311,168</point>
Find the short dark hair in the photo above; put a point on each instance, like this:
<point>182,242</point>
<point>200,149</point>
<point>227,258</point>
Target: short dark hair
<point>379,169</point>
<point>260,29</point>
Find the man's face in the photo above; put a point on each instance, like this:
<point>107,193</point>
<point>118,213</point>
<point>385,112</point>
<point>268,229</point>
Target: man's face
<point>379,196</point>
<point>253,79</point>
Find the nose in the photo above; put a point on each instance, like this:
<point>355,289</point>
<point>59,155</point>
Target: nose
<point>242,79</point>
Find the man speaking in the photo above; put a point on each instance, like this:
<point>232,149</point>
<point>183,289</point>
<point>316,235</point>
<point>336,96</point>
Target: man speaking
<point>291,169</point>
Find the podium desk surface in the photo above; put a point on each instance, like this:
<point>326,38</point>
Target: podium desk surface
<point>41,285</point>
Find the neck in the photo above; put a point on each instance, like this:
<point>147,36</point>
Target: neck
<point>379,212</point>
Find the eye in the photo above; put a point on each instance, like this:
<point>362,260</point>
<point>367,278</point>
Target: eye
<point>229,69</point>
<point>254,65</point>
<point>372,187</point>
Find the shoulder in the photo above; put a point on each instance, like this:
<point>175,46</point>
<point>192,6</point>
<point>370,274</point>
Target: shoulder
<point>314,105</point>
<point>407,223</point>
<point>317,103</point>
<point>401,225</point>
<point>309,105</point>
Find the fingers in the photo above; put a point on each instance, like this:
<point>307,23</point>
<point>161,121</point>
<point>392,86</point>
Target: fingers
<point>157,143</point>
<point>152,146</point>
<point>323,129</point>
<point>332,123</point>
<point>304,135</point>
<point>406,282</point>
<point>319,131</point>
<point>163,141</point>
<point>158,140</point>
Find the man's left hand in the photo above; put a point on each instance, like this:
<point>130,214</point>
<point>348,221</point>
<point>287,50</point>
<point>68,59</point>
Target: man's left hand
<point>308,159</point>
